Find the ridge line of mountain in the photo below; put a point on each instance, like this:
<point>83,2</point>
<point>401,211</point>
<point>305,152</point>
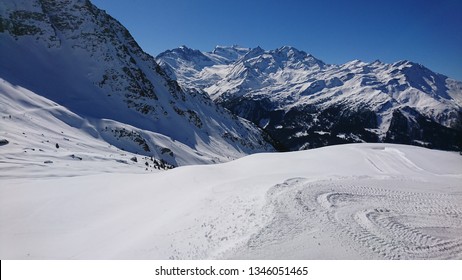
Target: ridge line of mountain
<point>303,102</point>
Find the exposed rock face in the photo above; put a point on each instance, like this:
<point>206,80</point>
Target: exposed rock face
<point>76,55</point>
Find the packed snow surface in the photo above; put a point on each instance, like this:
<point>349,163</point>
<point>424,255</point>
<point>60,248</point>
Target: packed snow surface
<point>355,201</point>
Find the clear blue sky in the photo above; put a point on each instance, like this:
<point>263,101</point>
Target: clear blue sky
<point>427,32</point>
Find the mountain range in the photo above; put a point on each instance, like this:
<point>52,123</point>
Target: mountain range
<point>303,102</point>
<point>90,123</point>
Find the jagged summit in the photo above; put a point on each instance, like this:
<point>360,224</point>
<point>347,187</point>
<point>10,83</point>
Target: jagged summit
<point>303,102</point>
<point>290,52</point>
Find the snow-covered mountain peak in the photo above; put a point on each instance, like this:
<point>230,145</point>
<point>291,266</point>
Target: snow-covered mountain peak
<point>252,53</point>
<point>354,64</point>
<point>281,57</point>
<point>187,57</point>
<point>289,52</point>
<point>187,51</point>
<point>377,63</point>
<point>76,56</point>
<point>403,63</point>
<point>294,95</point>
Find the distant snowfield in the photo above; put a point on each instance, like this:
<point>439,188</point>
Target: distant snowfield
<point>357,201</point>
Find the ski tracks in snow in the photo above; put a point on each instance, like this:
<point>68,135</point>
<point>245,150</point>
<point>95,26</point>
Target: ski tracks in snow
<point>395,224</point>
<point>366,215</point>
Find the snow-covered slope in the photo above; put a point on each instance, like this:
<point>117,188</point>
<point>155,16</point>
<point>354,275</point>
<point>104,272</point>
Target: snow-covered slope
<point>303,102</point>
<point>356,201</point>
<point>73,55</point>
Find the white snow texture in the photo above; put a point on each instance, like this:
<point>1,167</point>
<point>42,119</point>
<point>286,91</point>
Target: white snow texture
<point>88,122</point>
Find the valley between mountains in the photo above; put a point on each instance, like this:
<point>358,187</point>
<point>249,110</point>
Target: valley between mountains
<point>107,152</point>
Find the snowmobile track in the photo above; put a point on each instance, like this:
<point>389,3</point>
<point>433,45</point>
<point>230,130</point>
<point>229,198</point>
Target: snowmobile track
<point>367,215</point>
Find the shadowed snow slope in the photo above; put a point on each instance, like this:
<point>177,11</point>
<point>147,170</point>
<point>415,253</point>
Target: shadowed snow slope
<point>78,59</point>
<point>356,201</point>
